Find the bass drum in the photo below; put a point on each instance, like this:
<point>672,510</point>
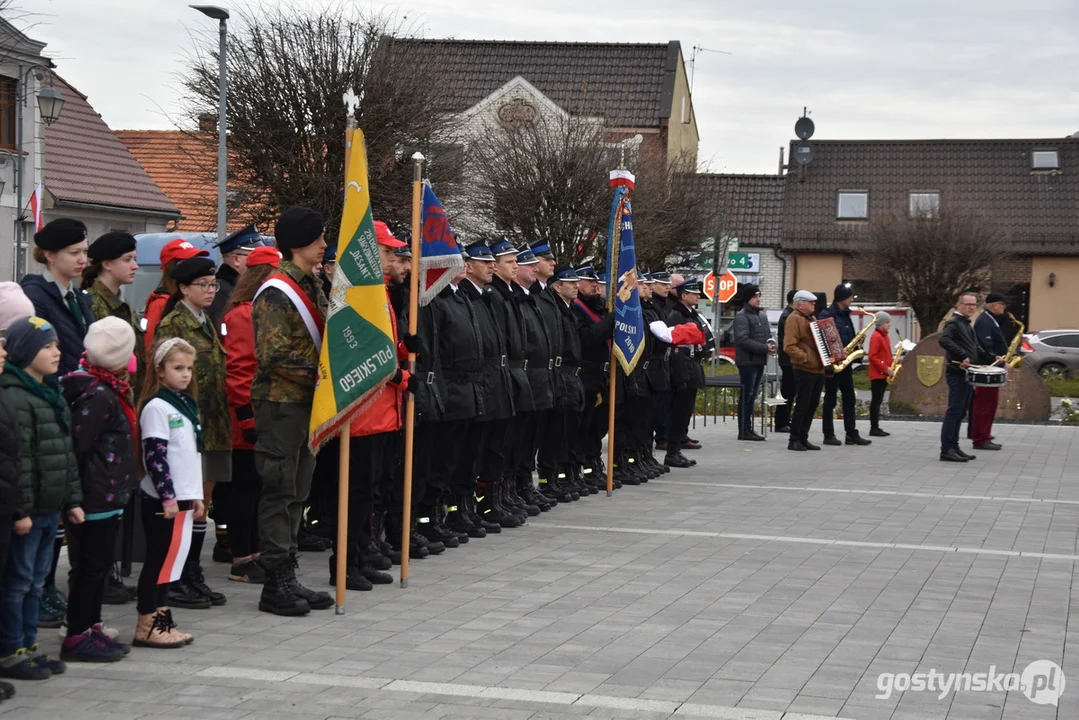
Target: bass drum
<point>987,376</point>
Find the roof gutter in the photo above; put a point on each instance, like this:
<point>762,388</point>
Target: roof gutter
<point>116,209</point>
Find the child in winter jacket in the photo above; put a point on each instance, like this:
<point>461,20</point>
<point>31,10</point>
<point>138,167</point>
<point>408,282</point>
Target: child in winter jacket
<point>103,434</point>
<point>48,484</point>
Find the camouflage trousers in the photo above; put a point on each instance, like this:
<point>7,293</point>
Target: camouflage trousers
<point>285,466</point>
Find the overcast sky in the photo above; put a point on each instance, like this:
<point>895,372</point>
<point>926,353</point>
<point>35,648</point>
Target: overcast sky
<point>865,68</point>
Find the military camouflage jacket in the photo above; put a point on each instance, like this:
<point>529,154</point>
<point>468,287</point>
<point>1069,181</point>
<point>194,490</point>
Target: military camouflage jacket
<point>209,373</point>
<point>286,354</point>
<point>105,304</point>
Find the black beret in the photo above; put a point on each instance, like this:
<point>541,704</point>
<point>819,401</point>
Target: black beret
<point>112,245</point>
<point>298,227</point>
<point>59,234</point>
<point>995,297</point>
<point>187,271</point>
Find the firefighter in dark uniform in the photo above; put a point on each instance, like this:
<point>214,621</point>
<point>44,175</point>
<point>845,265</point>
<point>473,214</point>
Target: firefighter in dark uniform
<point>559,475</point>
<point>234,251</point>
<point>498,400</point>
<point>656,376</point>
<point>687,374</point>
<point>595,328</point>
<point>661,391</point>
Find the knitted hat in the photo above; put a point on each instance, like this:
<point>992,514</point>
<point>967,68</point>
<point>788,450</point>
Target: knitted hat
<point>109,343</point>
<point>297,228</point>
<point>882,317</point>
<point>842,292</point>
<point>995,297</point>
<point>13,304</point>
<point>26,336</point>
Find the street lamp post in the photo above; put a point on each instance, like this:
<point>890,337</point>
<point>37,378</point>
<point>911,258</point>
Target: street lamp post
<point>221,15</point>
<point>50,102</point>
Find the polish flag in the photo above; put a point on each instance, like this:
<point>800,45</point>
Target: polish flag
<point>179,546</point>
<point>622,178</point>
<point>35,208</point>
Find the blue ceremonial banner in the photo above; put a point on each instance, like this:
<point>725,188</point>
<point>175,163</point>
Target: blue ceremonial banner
<point>624,299</point>
<point>440,255</point>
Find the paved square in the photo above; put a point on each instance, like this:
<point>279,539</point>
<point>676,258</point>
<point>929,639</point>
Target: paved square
<point>761,584</point>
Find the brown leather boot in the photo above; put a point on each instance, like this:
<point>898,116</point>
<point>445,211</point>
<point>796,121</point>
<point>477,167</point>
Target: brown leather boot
<point>154,631</point>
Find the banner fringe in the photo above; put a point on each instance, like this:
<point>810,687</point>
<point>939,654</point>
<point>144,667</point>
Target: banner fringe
<point>332,427</point>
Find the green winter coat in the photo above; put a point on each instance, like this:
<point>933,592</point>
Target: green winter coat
<point>209,373</point>
<point>48,468</point>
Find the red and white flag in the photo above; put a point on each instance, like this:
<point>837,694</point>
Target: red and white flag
<point>35,207</point>
<point>179,546</point>
<point>622,178</point>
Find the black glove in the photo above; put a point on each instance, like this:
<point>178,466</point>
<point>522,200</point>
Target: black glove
<point>396,379</point>
<point>414,344</point>
<point>251,435</point>
<point>412,383</point>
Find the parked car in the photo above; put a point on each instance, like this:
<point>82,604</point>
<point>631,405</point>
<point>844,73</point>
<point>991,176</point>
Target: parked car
<point>1053,353</point>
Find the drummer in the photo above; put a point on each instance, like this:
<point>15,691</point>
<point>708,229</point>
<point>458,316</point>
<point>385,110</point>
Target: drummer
<point>991,338</point>
<point>962,350</point>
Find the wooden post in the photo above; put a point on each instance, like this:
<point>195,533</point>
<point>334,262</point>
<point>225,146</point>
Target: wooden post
<point>342,520</point>
<point>410,405</point>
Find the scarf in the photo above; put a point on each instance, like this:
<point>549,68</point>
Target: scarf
<point>122,390</point>
<point>187,407</point>
<point>48,390</point>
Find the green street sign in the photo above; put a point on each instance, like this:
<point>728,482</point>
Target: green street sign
<point>744,261</point>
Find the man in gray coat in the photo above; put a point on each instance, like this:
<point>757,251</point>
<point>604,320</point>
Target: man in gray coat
<point>753,344</point>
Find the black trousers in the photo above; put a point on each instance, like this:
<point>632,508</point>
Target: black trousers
<point>521,451</point>
<point>879,387</point>
<point>683,402</point>
<point>423,452</point>
<point>553,450</point>
<point>805,403</point>
<point>95,549</point>
<point>841,382</point>
<point>388,489</point>
<point>7,523</point>
<point>464,447</point>
<point>788,389</point>
<point>158,531</point>
<point>243,520</point>
<point>448,453</point>
<point>366,461</point>
<point>491,456</point>
<point>661,402</point>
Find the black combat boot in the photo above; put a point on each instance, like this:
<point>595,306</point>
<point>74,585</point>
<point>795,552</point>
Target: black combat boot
<point>491,510</point>
<point>468,504</point>
<point>528,494</point>
<point>353,579</point>
<point>458,520</point>
<point>622,473</point>
<point>316,600</point>
<point>428,527</point>
<point>277,594</point>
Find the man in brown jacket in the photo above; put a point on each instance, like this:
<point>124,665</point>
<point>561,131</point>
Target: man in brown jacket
<point>808,367</point>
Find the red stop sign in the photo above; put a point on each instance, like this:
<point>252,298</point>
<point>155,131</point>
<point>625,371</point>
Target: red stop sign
<point>728,286</point>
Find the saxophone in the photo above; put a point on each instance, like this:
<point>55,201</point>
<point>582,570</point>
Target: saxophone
<point>853,351</point>
<point>1013,359</point>
<point>897,363</point>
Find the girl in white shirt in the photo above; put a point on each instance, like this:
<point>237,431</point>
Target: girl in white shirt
<point>172,445</point>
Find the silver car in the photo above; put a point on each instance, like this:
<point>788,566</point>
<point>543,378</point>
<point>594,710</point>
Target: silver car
<point>1053,353</point>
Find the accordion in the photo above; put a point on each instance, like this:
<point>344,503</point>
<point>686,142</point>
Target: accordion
<point>829,344</point>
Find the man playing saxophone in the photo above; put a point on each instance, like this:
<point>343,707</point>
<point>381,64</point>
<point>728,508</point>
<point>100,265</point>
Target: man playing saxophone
<point>880,369</point>
<point>991,338</point>
<point>842,380</point>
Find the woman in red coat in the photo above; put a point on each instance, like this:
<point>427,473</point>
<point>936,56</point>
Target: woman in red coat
<point>238,337</point>
<point>880,369</point>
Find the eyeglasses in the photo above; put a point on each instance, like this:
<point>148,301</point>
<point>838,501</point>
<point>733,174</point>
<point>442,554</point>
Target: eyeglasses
<point>208,286</point>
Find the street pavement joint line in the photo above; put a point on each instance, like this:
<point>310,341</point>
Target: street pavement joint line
<point>813,541</point>
<point>856,491</point>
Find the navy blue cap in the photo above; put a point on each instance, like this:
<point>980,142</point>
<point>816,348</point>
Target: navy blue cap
<point>403,251</point>
<point>330,256</point>
<point>692,285</point>
<point>646,278</point>
<point>246,238</point>
<point>542,249</point>
<point>479,251</point>
<point>661,276</point>
<point>564,273</point>
<point>501,246</point>
<point>587,272</point>
<point>603,278</point>
<point>525,256</point>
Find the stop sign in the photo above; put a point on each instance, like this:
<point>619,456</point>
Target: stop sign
<point>728,286</point>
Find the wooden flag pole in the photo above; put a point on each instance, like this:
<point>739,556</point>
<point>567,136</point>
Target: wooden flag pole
<point>410,405</point>
<point>610,417</point>
<point>342,458</point>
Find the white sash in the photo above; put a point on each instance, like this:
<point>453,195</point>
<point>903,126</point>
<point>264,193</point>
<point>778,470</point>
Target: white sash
<point>299,304</point>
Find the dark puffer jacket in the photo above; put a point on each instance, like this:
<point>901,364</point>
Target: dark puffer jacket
<point>103,442</point>
<point>48,470</point>
<point>10,497</point>
<point>751,335</point>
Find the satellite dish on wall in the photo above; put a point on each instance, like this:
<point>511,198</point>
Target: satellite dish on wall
<point>803,152</point>
<point>804,128</point>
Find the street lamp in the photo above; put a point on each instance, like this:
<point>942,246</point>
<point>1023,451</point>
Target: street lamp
<point>50,102</point>
<point>221,15</point>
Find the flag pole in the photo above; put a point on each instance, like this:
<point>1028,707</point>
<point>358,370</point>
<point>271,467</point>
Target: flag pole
<point>413,320</point>
<point>610,419</point>
<point>614,242</point>
<point>343,454</point>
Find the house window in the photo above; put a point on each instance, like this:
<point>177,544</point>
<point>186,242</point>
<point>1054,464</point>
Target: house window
<point>8,100</point>
<point>852,205</point>
<point>685,109</point>
<point>924,202</point>
<point>1045,160</point>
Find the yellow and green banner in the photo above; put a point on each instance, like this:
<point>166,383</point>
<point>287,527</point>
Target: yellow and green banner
<point>358,354</point>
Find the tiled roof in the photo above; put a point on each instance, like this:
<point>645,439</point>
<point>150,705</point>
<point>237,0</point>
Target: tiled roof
<point>184,164</point>
<point>631,85</point>
<point>752,205</point>
<point>85,162</point>
<point>1038,211</point>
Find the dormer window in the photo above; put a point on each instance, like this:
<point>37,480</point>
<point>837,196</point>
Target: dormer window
<point>1045,160</point>
<point>852,205</point>
<point>924,203</point>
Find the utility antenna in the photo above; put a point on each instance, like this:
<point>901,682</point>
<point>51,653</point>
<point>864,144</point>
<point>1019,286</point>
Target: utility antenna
<point>697,49</point>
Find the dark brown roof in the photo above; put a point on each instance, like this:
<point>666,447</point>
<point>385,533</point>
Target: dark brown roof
<point>86,163</point>
<point>1038,211</point>
<point>753,205</point>
<point>631,85</point>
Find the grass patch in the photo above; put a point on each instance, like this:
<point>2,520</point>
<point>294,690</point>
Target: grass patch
<point>1063,387</point>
